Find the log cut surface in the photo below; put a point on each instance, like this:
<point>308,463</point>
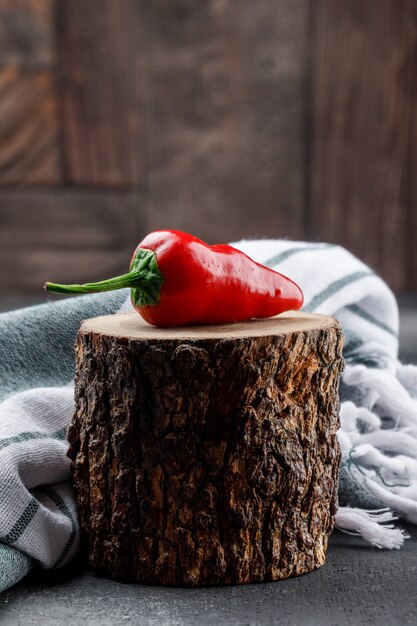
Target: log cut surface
<point>207,455</point>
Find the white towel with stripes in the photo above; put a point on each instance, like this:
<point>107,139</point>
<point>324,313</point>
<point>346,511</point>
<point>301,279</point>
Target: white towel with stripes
<point>378,435</point>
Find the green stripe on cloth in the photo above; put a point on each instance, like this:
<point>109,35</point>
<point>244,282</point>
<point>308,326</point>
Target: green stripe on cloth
<point>352,342</point>
<point>375,361</point>
<point>30,436</point>
<point>14,565</point>
<point>59,502</point>
<point>48,361</point>
<point>283,256</point>
<point>22,523</point>
<point>354,308</point>
<point>334,287</point>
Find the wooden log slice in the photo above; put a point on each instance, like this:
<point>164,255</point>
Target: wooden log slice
<point>207,455</point>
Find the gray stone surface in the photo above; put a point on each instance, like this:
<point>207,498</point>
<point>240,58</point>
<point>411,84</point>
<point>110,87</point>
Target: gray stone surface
<point>358,586</point>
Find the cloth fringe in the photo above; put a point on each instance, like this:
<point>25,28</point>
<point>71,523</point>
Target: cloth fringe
<point>373,526</point>
<point>379,448</point>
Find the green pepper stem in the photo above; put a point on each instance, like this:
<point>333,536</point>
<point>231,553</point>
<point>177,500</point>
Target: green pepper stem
<point>131,279</point>
<point>144,279</point>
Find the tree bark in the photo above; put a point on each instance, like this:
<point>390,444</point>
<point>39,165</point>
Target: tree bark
<point>207,455</point>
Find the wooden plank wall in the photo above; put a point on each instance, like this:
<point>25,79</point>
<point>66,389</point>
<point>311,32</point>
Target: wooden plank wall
<point>363,110</point>
<point>71,153</point>
<point>226,144</point>
<point>227,118</point>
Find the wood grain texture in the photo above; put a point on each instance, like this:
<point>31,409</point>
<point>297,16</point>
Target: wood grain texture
<point>101,65</point>
<point>67,235</point>
<point>29,128</point>
<point>211,459</point>
<point>363,72</point>
<point>27,36</point>
<point>226,143</point>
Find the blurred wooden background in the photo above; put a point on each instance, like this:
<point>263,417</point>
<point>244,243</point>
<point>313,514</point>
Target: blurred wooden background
<point>228,118</point>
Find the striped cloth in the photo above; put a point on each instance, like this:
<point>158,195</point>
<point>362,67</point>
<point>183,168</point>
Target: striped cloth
<point>38,520</point>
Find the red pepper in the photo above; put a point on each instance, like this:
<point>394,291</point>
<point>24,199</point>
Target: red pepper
<point>176,280</point>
